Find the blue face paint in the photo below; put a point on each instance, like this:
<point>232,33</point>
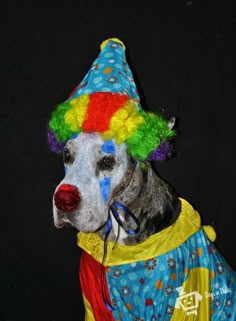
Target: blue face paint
<point>108,147</point>
<point>74,136</point>
<point>105,184</point>
<point>65,169</point>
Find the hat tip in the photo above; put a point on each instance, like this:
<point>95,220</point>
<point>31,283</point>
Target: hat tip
<point>104,43</point>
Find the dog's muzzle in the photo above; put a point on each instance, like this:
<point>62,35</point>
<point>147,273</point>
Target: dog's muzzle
<point>67,198</point>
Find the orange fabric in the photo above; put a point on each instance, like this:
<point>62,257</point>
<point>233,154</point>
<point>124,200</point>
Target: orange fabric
<point>90,280</point>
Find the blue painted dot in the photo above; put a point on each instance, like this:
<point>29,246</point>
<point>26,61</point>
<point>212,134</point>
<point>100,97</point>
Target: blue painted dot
<point>148,273</point>
<point>193,242</point>
<point>123,282</point>
<point>109,54</point>
<point>171,300</point>
<point>97,80</point>
<point>118,66</point>
<point>132,276</point>
<point>74,136</point>
<point>136,300</point>
<point>117,85</point>
<point>152,294</point>
<point>146,289</point>
<point>88,91</point>
<point>119,51</point>
<point>105,184</point>
<point>135,289</point>
<point>115,292</point>
<point>199,241</point>
<point>205,261</point>
<point>108,147</point>
<point>99,84</point>
<point>161,268</point>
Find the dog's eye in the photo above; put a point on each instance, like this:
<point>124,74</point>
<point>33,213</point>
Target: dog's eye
<point>68,159</point>
<point>106,163</point>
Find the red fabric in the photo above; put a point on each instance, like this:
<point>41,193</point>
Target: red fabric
<point>101,107</point>
<point>90,280</point>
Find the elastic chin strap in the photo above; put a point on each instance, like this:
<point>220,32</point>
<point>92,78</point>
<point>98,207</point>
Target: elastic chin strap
<point>118,206</point>
<point>114,210</point>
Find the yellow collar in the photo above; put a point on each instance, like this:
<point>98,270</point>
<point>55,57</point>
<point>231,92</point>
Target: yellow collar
<point>173,236</point>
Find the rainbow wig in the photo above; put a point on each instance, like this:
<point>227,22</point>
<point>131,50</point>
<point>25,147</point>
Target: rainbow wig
<point>113,111</point>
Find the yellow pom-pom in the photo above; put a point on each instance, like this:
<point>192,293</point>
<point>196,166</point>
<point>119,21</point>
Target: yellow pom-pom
<point>134,121</point>
<point>124,122</point>
<point>107,135</point>
<point>121,135</point>
<point>75,116</point>
<point>70,119</point>
<point>115,123</point>
<point>121,114</point>
<point>210,232</point>
<point>131,107</point>
<point>103,44</point>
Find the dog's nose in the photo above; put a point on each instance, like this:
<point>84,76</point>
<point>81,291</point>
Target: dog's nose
<point>67,198</point>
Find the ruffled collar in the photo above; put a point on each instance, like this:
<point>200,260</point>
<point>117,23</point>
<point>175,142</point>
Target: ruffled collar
<point>187,224</point>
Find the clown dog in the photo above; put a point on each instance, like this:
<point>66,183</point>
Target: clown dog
<point>146,255</point>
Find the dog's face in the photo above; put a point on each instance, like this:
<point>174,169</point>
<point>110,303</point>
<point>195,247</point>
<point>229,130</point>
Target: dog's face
<point>95,172</point>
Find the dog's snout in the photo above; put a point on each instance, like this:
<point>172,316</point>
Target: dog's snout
<point>67,198</point>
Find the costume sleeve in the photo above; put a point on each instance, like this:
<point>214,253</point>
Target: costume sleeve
<point>90,280</point>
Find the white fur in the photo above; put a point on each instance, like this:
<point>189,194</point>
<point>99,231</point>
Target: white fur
<point>92,211</point>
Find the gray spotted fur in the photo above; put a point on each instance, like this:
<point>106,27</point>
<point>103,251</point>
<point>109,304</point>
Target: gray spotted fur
<point>151,199</point>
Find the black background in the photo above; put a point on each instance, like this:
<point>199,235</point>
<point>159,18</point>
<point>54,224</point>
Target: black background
<point>183,56</point>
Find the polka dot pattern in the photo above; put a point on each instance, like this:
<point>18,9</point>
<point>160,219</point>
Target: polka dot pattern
<point>109,73</point>
<point>146,290</point>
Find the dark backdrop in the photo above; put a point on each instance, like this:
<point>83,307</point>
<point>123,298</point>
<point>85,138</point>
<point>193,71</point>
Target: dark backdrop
<point>183,57</point>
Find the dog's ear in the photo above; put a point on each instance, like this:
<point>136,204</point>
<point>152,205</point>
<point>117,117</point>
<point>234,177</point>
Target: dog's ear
<point>171,122</point>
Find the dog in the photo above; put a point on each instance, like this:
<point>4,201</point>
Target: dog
<point>157,208</point>
<point>146,255</point>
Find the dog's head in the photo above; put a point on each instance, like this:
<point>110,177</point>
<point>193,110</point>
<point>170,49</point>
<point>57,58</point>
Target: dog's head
<point>103,131</point>
<point>97,172</point>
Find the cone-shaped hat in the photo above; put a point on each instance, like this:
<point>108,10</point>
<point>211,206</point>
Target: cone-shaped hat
<point>107,102</point>
<point>109,73</point>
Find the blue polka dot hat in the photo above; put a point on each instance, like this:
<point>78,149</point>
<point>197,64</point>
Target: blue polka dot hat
<point>110,72</point>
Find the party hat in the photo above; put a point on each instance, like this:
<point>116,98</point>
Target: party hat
<point>107,102</point>
<point>109,73</point>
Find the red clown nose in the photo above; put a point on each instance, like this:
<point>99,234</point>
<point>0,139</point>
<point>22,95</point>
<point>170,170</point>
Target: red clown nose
<point>67,198</point>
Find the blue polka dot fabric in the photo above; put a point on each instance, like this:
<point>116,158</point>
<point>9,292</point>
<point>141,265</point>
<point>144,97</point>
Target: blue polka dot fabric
<point>150,289</point>
<point>110,72</point>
